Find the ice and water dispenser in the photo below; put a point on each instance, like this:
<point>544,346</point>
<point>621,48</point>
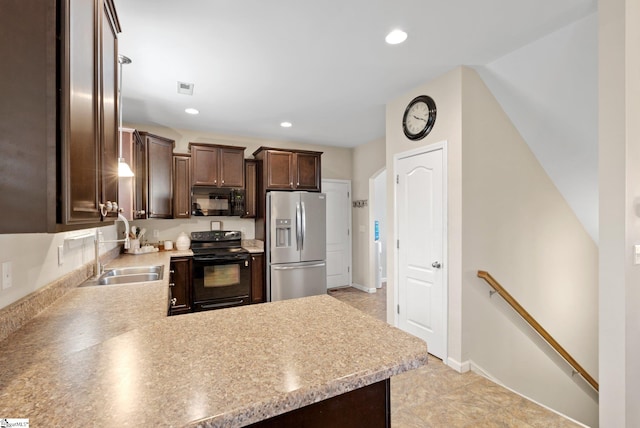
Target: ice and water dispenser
<point>283,232</point>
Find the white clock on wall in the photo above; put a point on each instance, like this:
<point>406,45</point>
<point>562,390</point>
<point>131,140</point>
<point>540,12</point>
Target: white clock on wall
<point>419,117</point>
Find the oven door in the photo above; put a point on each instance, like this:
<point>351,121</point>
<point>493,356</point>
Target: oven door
<point>221,281</point>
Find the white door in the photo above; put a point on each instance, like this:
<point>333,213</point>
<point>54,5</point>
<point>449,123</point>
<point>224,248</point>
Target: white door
<point>338,232</point>
<point>421,294</point>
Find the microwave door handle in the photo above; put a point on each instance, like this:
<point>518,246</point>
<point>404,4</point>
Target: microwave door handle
<point>304,226</point>
<point>298,226</point>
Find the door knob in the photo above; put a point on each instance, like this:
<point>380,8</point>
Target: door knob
<point>436,265</point>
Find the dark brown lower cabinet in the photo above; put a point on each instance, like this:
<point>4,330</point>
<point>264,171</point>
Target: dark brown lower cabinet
<point>180,285</point>
<point>366,407</point>
<point>258,291</point>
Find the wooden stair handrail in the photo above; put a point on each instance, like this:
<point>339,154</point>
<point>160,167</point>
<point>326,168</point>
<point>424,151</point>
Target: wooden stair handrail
<point>537,327</point>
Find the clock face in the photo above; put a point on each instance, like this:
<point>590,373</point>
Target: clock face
<point>419,117</point>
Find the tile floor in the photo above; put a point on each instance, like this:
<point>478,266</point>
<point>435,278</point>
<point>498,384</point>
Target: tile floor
<point>437,396</point>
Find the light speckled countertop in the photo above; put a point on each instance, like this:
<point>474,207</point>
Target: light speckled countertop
<point>109,356</point>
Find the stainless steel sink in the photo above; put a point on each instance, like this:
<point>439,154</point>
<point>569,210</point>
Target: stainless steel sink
<point>128,279</point>
<point>134,270</point>
<point>128,275</point>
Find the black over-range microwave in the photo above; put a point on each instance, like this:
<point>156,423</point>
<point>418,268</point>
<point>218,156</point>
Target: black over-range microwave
<point>207,201</point>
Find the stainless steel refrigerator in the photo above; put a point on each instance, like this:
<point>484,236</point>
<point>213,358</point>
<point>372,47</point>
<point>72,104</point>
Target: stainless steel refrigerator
<point>296,245</point>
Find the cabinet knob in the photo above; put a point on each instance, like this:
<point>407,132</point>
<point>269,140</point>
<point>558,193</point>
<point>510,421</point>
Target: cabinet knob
<point>222,181</point>
<point>172,271</point>
<point>298,183</point>
<point>174,301</point>
<point>247,212</point>
<point>172,284</point>
<point>215,181</point>
<point>291,183</point>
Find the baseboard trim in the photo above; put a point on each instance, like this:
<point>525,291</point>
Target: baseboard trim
<point>482,372</point>
<point>460,367</point>
<point>363,288</point>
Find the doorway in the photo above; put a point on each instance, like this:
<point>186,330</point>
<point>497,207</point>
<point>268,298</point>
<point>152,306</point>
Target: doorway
<point>338,232</point>
<point>377,213</point>
<point>420,250</point>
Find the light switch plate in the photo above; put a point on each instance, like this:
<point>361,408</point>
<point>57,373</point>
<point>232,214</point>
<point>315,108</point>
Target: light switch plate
<point>7,276</point>
<point>60,255</point>
<point>636,260</point>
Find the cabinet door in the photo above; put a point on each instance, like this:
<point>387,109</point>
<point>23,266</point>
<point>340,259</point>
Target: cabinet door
<point>80,121</point>
<point>140,177</point>
<point>180,283</point>
<point>109,111</point>
<point>204,166</point>
<point>250,188</point>
<point>307,171</point>
<point>160,186</point>
<point>231,168</point>
<point>257,278</point>
<point>279,170</point>
<point>181,186</point>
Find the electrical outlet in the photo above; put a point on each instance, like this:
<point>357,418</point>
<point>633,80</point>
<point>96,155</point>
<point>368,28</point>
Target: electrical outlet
<point>6,275</point>
<point>156,233</point>
<point>60,255</point>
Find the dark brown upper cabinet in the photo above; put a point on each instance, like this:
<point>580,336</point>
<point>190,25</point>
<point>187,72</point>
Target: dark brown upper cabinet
<point>59,149</point>
<point>181,186</point>
<point>216,165</point>
<point>250,188</point>
<point>289,169</point>
<point>153,160</point>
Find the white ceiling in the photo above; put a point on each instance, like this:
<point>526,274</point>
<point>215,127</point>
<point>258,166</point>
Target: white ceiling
<point>324,66</point>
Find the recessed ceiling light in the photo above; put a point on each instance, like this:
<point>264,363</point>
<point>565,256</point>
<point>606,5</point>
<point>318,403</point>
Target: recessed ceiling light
<point>191,111</point>
<point>286,124</point>
<point>395,37</point>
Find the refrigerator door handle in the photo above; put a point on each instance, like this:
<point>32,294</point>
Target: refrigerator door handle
<point>298,227</point>
<point>304,226</point>
<point>298,267</point>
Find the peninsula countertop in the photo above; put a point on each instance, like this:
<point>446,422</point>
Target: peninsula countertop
<point>109,356</point>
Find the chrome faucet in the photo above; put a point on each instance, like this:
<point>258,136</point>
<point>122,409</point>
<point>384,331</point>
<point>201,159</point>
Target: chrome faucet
<point>97,266</point>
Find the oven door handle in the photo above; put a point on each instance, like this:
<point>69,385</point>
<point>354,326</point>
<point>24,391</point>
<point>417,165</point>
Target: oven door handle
<point>232,259</point>
<point>219,305</point>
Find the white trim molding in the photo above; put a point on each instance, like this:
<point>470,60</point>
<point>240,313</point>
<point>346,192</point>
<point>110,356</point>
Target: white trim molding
<point>363,288</point>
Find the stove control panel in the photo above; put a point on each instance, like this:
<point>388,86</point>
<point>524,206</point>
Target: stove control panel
<point>216,235</point>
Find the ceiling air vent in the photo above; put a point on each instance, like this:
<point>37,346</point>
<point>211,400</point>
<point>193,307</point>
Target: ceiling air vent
<point>185,88</point>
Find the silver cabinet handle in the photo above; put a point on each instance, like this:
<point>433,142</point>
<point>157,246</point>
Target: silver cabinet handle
<point>174,301</point>
<point>436,265</point>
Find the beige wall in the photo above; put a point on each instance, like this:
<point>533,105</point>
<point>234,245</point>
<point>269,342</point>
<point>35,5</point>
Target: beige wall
<point>445,90</point>
<point>34,258</point>
<point>619,180</point>
<point>517,226</point>
<point>367,160</point>
<point>507,217</point>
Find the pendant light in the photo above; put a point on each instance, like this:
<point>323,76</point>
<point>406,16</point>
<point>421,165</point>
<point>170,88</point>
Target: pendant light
<point>123,168</point>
